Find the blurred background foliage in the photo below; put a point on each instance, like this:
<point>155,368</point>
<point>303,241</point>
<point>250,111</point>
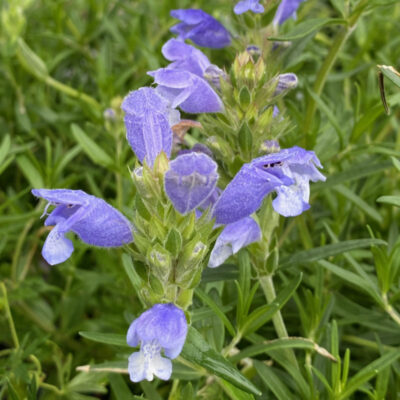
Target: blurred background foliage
<point>63,63</point>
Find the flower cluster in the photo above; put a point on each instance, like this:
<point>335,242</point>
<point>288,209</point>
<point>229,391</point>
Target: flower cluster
<point>178,192</point>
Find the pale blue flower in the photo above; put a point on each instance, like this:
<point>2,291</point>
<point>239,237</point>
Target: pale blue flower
<point>286,172</point>
<point>234,237</point>
<point>286,10</point>
<point>162,328</point>
<point>190,181</point>
<point>201,28</point>
<point>91,218</point>
<point>248,5</point>
<point>148,120</point>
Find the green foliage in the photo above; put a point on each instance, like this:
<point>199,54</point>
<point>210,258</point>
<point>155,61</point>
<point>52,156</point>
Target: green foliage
<point>335,269</point>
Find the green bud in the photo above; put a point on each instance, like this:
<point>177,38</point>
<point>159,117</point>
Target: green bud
<point>160,262</point>
<point>245,140</point>
<point>244,98</point>
<point>174,242</point>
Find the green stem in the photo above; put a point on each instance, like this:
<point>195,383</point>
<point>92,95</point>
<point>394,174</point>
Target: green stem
<point>268,288</point>
<point>9,316</point>
<point>390,310</point>
<point>323,74</point>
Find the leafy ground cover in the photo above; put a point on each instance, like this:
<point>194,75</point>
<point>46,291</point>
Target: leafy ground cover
<point>63,63</point>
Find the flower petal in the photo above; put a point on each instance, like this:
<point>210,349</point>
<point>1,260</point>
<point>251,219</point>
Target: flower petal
<point>57,248</point>
<point>190,180</point>
<point>235,236</point>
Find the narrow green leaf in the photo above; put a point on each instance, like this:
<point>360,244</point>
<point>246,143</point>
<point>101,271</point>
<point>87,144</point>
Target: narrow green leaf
<point>119,387</point>
<point>107,338</point>
<point>30,172</point>
<point>272,381</point>
<point>306,27</point>
<point>30,60</point>
<point>197,351</point>
<point>90,147</point>
<point>392,200</point>
<point>206,299</point>
<point>225,272</point>
<point>284,343</point>
<point>264,313</point>
<point>174,242</point>
<point>317,253</point>
<point>233,392</point>
<point>396,163</point>
<point>390,73</point>
<point>368,372</point>
<point>5,148</point>
<point>359,202</point>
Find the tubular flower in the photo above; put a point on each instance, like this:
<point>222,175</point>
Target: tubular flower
<point>286,9</point>
<point>186,90</point>
<point>248,5</point>
<point>161,328</point>
<point>287,172</point>
<point>190,181</point>
<point>148,120</point>
<point>201,28</point>
<point>91,218</point>
<point>234,237</point>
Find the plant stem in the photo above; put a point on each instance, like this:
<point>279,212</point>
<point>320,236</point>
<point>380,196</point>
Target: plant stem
<point>390,310</point>
<point>268,288</point>
<point>322,75</point>
<point>9,316</point>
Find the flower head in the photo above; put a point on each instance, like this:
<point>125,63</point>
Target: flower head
<point>234,237</point>
<point>285,82</point>
<point>190,181</point>
<point>248,5</point>
<point>286,9</point>
<point>148,120</point>
<point>161,328</point>
<point>287,172</point>
<point>190,92</point>
<point>201,28</point>
<point>91,218</point>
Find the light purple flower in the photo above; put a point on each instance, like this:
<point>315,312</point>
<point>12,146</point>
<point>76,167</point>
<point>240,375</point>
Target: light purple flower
<point>161,328</point>
<point>248,5</point>
<point>234,237</point>
<point>185,57</point>
<point>286,9</point>
<point>186,90</point>
<point>91,218</point>
<point>148,120</point>
<point>287,172</point>
<point>285,82</point>
<point>190,181</point>
<point>201,28</point>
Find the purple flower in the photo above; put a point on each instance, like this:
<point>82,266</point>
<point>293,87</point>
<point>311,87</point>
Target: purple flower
<point>285,82</point>
<point>248,5</point>
<point>287,172</point>
<point>185,57</point>
<point>148,120</point>
<point>190,181</point>
<point>201,28</point>
<point>286,9</point>
<point>235,236</point>
<point>186,90</point>
<point>162,327</point>
<point>91,218</point>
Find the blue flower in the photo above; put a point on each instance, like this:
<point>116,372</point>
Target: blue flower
<point>287,172</point>
<point>190,181</point>
<point>234,237</point>
<point>161,328</point>
<point>185,57</point>
<point>285,82</point>
<point>201,28</point>
<point>148,120</point>
<point>186,90</point>
<point>91,218</point>
<point>286,9</point>
<point>248,5</point>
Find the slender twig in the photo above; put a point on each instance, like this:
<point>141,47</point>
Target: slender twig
<point>9,316</point>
